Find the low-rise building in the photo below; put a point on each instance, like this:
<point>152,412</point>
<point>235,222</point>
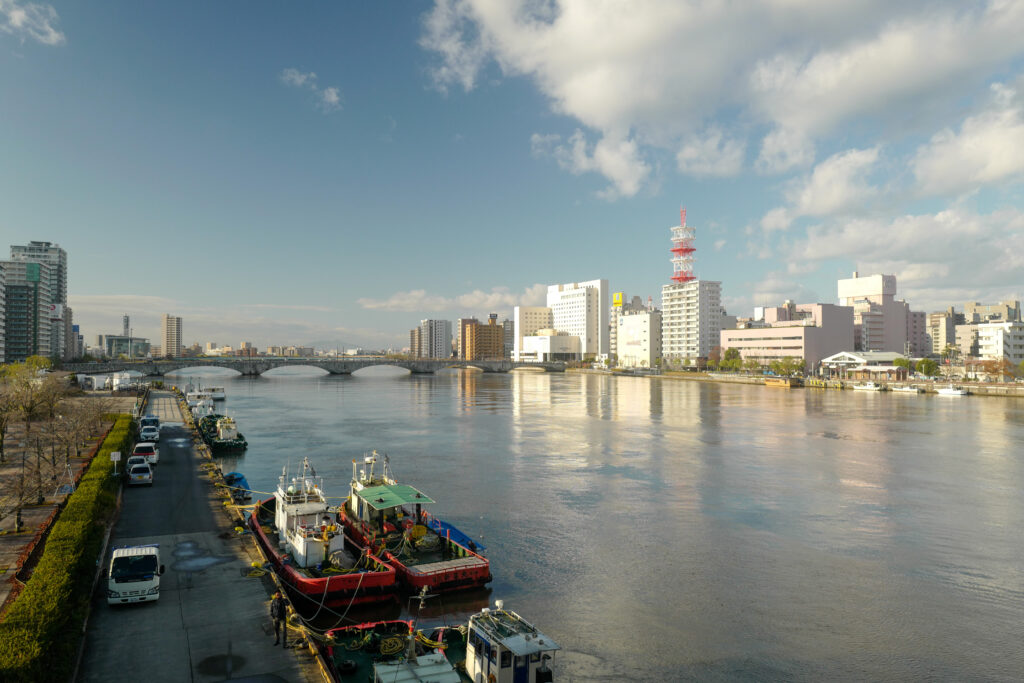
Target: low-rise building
<point>638,338</point>
<point>809,332</point>
<point>869,365</point>
<point>550,345</point>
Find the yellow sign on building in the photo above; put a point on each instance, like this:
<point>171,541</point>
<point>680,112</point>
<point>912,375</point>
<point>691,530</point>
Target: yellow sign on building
<point>617,299</point>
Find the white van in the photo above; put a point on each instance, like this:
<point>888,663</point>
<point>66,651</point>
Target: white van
<point>134,574</point>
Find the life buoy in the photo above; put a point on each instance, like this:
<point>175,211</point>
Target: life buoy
<point>491,678</point>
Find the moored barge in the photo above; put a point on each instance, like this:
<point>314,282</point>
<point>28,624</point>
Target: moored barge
<point>311,553</point>
<point>388,519</point>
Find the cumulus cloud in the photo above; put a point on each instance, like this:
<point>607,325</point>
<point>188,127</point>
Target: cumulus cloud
<point>616,158</point>
<point>836,185</point>
<point>327,99</point>
<point>30,20</point>
<point>645,77</point>
<point>711,154</point>
<point>952,255</point>
<point>988,148</point>
<point>496,300</point>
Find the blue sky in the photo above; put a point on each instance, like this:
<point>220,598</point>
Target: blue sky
<point>284,173</point>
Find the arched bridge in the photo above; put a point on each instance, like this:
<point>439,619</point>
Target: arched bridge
<point>335,366</point>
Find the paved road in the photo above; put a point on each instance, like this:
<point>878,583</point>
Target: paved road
<point>211,623</point>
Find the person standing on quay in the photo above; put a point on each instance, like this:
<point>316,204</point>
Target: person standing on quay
<point>279,613</point>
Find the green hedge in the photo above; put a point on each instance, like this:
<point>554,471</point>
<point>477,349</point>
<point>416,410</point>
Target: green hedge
<point>41,631</point>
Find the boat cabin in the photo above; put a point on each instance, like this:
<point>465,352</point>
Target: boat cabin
<point>505,648</point>
<point>379,502</point>
<point>305,527</point>
<point>226,429</point>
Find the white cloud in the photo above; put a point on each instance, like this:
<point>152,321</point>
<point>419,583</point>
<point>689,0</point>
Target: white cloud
<point>647,76</point>
<point>615,158</point>
<point>478,301</point>
<point>298,79</point>
<point>938,259</point>
<point>711,154</point>
<point>988,148</point>
<point>328,99</point>
<point>30,20</point>
<point>837,185</point>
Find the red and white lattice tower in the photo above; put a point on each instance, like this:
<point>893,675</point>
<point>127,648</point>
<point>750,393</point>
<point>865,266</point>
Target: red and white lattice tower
<point>682,250</point>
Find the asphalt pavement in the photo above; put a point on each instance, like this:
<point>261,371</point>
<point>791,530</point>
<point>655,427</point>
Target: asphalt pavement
<point>211,622</point>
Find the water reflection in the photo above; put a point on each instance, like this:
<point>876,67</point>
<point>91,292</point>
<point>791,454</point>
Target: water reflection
<point>663,530</point>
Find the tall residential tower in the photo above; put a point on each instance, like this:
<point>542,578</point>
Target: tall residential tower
<point>691,309</point>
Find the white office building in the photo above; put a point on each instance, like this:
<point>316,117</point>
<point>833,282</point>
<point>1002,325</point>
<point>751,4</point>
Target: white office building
<point>691,319</point>
<point>1001,341</point>
<point>526,321</point>
<point>581,309</point>
<point>550,345</point>
<point>881,322</point>
<point>639,339</point>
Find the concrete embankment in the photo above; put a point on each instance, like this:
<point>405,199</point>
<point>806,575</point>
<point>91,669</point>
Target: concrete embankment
<point>211,622</point>
<point>1006,389</point>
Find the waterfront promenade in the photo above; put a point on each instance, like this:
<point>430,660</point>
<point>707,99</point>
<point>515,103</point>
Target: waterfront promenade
<point>211,622</point>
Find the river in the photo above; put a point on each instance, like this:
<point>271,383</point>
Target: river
<point>677,530</point>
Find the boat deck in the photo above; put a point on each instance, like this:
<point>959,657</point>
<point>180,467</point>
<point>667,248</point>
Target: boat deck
<point>445,565</point>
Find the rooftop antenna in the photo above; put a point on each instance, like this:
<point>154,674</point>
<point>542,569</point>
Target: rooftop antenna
<point>682,250</point>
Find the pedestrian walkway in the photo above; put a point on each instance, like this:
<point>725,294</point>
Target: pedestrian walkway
<point>212,622</point>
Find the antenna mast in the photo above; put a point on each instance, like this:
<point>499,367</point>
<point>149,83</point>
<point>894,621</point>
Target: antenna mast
<point>682,250</point>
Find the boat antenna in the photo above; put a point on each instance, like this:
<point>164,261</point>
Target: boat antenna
<point>422,597</point>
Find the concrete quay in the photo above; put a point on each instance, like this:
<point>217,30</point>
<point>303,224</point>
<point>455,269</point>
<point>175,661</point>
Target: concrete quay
<point>212,622</point>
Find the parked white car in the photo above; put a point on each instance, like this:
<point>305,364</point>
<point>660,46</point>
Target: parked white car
<point>140,475</point>
<point>148,450</point>
<point>150,433</point>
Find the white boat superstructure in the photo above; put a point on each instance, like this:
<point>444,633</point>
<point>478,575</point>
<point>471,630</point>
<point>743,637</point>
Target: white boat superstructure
<point>192,398</point>
<point>305,527</point>
<point>203,408</point>
<point>522,652</point>
<point>216,393</point>
<point>909,389</point>
<point>226,428</point>
<point>952,390</point>
<point>868,386</point>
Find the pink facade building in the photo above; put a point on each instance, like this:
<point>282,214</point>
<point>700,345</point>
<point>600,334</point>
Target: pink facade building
<point>806,331</point>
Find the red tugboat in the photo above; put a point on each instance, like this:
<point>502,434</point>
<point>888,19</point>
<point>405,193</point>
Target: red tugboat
<point>311,554</point>
<point>388,519</point>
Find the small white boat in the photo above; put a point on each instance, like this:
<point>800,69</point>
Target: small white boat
<point>909,389</point>
<point>216,393</point>
<point>868,386</point>
<point>952,391</point>
<point>203,408</point>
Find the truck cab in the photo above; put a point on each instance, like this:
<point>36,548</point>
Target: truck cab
<point>134,574</point>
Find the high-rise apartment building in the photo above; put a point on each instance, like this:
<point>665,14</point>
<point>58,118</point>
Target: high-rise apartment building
<point>509,338</point>
<point>485,341</point>
<point>691,318</point>
<point>461,344</point>
<point>942,330</point>
<point>27,325</point>
<point>432,339</point>
<point>581,310</point>
<point>1001,341</point>
<point>171,335</point>
<point>3,318</point>
<point>58,315</point>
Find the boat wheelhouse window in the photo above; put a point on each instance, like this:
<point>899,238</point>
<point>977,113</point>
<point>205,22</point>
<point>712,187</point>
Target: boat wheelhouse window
<point>521,661</point>
<point>492,653</point>
<point>506,659</point>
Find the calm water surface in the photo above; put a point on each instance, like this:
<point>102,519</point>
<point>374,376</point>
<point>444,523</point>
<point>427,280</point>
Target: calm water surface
<point>675,530</point>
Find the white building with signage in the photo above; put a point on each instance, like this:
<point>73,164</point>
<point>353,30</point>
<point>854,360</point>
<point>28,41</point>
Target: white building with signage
<point>549,345</point>
<point>639,339</point>
<point>526,320</point>
<point>581,309</point>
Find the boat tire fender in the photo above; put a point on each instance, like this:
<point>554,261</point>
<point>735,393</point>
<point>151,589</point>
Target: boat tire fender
<point>347,666</point>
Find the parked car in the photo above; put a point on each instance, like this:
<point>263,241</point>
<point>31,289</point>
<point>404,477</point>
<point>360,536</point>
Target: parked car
<point>150,433</point>
<point>149,450</point>
<point>132,461</point>
<point>140,475</point>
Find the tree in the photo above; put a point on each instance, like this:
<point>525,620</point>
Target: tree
<point>1020,369</point>
<point>902,363</point>
<point>751,365</point>
<point>926,366</point>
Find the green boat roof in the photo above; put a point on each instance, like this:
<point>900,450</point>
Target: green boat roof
<point>392,495</point>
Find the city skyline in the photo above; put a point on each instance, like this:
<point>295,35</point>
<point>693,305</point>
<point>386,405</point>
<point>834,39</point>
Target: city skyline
<point>343,172</point>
